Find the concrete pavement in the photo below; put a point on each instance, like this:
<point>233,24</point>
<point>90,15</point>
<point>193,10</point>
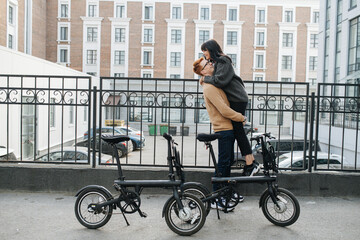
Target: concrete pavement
<point>30,215</point>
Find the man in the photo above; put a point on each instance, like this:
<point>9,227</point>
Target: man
<point>220,114</point>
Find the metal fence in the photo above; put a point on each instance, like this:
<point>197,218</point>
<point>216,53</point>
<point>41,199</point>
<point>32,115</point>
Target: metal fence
<point>40,118</point>
<point>153,106</point>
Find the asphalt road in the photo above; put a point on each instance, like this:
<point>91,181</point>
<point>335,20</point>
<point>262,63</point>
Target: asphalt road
<point>28,215</point>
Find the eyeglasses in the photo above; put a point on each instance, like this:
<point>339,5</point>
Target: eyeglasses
<point>207,62</point>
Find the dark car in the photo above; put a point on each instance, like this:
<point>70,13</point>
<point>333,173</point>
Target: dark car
<point>284,145</point>
<point>123,147</point>
<point>137,137</point>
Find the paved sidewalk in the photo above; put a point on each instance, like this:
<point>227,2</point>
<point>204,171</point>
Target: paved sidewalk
<point>27,215</point>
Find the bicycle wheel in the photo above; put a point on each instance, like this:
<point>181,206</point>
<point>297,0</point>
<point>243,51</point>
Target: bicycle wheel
<point>188,220</point>
<point>88,215</point>
<point>288,211</point>
<point>200,192</point>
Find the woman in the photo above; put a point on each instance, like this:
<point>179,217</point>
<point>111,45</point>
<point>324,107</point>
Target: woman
<point>224,77</point>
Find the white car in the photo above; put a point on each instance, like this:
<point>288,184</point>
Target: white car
<point>7,154</point>
<point>324,160</point>
<point>69,155</point>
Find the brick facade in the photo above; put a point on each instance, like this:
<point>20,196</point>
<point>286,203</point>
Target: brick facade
<point>45,44</point>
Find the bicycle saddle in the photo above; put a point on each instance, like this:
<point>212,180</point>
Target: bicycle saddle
<point>114,139</point>
<point>203,137</point>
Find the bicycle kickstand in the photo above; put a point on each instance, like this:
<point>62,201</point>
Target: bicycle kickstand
<point>127,223</point>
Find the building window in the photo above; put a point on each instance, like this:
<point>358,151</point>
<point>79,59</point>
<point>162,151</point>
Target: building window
<point>287,39</point>
<point>286,62</point>
<point>286,79</point>
<point>119,74</point>
<point>175,36</point>
<point>172,111</point>
<point>148,35</point>
<point>119,57</point>
<point>232,14</point>
<point>231,38</point>
<point>71,112</point>
<point>261,16</point>
<point>352,4</point>
<point>204,35</point>
<point>260,38</point>
<point>148,15</point>
<point>119,34</point>
<point>204,13</point>
<point>175,76</point>
<point>314,40</point>
<point>120,11</point>
<point>64,12</point>
<point>176,13</point>
<point>201,115</point>
<point>141,113</point>
<point>259,78</point>
<point>147,58</point>
<point>11,15</point>
<point>10,42</point>
<point>316,16</point>
<point>63,55</point>
<point>91,56</point>
<point>259,61</point>
<point>175,59</point>
<point>313,63</point>
<point>64,33</point>
<point>52,113</point>
<point>288,16</point>
<point>92,34</point>
<point>354,46</point>
<point>233,59</point>
<point>92,11</point>
<point>147,75</point>
<point>312,81</point>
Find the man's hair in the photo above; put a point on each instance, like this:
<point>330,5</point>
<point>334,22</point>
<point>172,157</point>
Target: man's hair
<point>197,68</point>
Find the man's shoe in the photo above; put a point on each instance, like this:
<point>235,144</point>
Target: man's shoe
<point>250,170</point>
<point>237,196</point>
<point>214,204</point>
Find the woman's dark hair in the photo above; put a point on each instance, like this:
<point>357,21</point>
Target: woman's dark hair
<point>214,49</point>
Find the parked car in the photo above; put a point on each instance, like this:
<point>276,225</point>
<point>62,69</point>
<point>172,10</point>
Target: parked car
<point>131,131</point>
<point>123,148</point>
<point>137,140</point>
<point>296,161</point>
<point>7,154</point>
<point>71,155</point>
<point>284,145</point>
<point>248,129</point>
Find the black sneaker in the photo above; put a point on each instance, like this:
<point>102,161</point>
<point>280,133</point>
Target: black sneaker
<point>250,170</point>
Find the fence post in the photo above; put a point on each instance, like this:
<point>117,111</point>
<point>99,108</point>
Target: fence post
<point>311,134</point>
<point>94,128</point>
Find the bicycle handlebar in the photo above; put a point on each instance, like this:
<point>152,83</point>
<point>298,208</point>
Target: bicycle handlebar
<point>167,136</point>
<point>265,135</point>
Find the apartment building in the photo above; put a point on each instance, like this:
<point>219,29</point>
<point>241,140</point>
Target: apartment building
<point>267,40</point>
<point>339,51</point>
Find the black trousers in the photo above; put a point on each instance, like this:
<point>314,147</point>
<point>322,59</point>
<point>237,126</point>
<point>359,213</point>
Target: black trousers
<point>239,131</point>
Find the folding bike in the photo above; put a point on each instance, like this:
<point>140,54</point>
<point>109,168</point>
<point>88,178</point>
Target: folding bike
<point>279,205</point>
<point>184,213</point>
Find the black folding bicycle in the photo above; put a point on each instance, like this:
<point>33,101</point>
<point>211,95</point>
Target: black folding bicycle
<point>279,205</point>
<point>184,213</point>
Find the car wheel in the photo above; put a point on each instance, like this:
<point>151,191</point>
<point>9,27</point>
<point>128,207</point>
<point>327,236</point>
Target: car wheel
<point>134,145</point>
<point>120,153</point>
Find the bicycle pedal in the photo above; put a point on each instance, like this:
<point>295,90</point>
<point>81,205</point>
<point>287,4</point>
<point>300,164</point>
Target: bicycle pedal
<point>143,214</point>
